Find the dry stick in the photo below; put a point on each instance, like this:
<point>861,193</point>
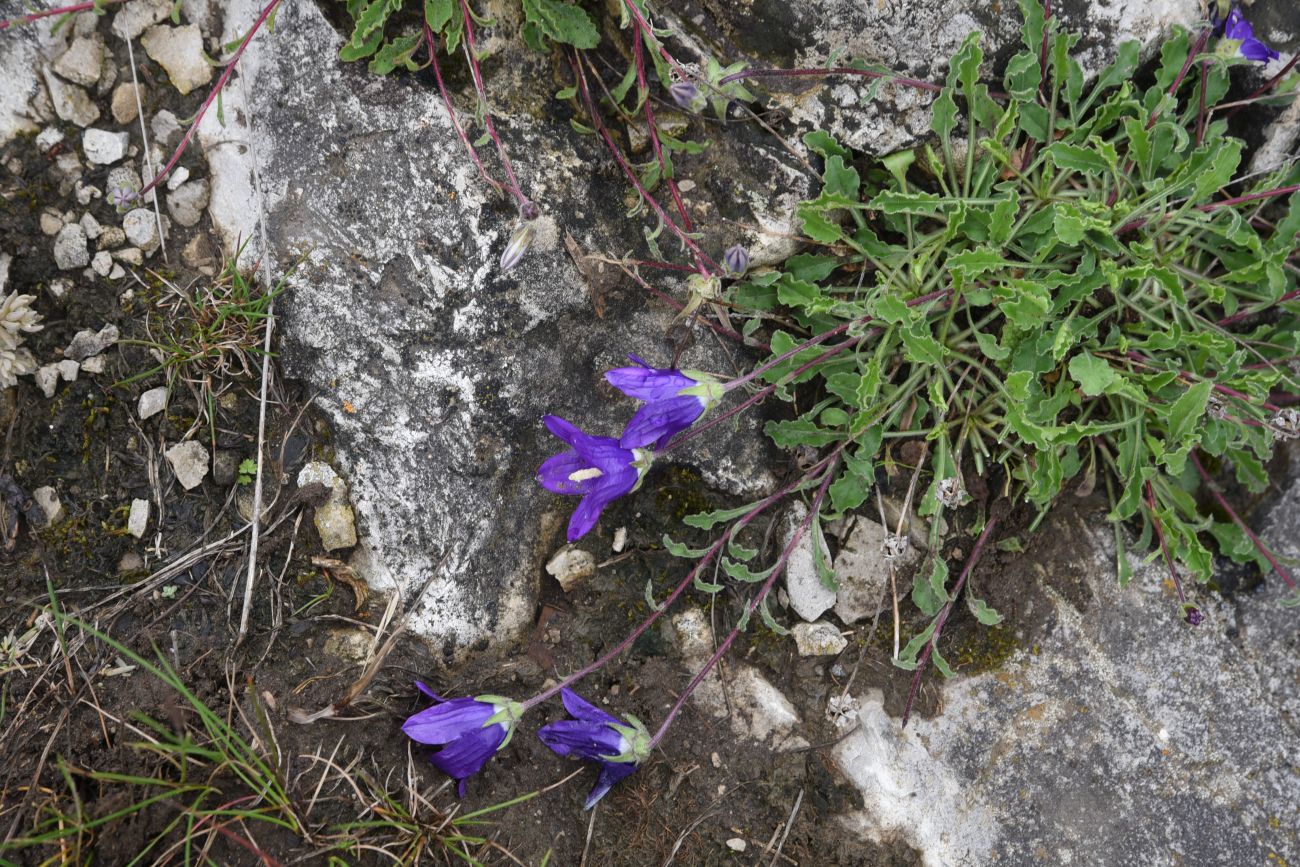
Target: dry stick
<point>451,112</point>
<point>943,618</point>
<point>1250,534</point>
<point>216,89</point>
<point>62,10</point>
<point>148,156</point>
<point>256,521</point>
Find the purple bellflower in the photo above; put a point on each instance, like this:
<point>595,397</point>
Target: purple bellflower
<point>736,258</point>
<point>1236,29</point>
<point>469,730</point>
<point>595,468</point>
<point>675,400</point>
<point>595,736</point>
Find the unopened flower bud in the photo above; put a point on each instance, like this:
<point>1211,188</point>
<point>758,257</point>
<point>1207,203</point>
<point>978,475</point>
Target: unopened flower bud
<point>686,94</point>
<point>529,211</point>
<point>736,258</point>
<point>1193,615</point>
<point>514,252</point>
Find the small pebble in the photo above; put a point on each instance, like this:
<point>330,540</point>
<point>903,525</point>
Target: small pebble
<point>102,264</point>
<point>152,402</point>
<point>571,566</point>
<point>138,519</point>
<point>736,844</point>
<point>93,365</point>
<point>104,148</point>
<point>68,369</point>
<point>48,499</point>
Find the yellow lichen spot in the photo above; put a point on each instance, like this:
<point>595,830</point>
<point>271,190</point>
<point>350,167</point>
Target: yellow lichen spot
<point>349,408</point>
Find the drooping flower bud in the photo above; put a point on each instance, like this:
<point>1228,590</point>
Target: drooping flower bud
<point>520,241</point>
<point>686,95</point>
<point>1193,615</point>
<point>736,258</point>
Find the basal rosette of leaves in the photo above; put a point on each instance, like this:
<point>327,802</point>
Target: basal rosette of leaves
<point>1056,296</point>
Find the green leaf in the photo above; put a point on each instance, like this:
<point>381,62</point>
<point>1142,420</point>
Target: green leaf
<point>438,12</point>
<point>741,572</point>
<point>1187,411</point>
<point>396,53</point>
<point>1023,76</point>
<point>840,179</point>
<point>1074,158</point>
<point>677,549</point>
<point>824,143</point>
<point>707,520</point>
<point>562,22</point>
<point>799,432</point>
<point>1093,374</point>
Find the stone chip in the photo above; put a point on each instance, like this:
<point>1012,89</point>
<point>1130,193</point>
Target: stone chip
<point>189,461</point>
<point>179,50</point>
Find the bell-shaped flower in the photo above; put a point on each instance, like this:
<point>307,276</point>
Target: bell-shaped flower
<point>595,736</point>
<point>595,468</point>
<point>469,730</point>
<point>675,400</point>
<point>1236,29</point>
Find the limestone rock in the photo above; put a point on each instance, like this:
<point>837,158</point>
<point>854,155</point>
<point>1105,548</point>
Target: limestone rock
<point>133,18</point>
<point>94,364</point>
<point>151,402</point>
<point>82,62</point>
<point>47,379</point>
<point>70,248</point>
<point>571,566</point>
<point>87,343</point>
<point>102,263</point>
<point>165,127</point>
<point>818,639</point>
<point>68,369</point>
<point>809,596</point>
<point>189,461</point>
<point>48,499</point>
<point>103,147</point>
<point>178,176</point>
<point>90,226</point>
<point>141,227</point>
<point>179,51</point>
<point>47,138</point>
<point>71,103</point>
<point>125,103</point>
<point>335,520</point>
<point>186,204</point>
<point>862,572</point>
<point>137,520</point>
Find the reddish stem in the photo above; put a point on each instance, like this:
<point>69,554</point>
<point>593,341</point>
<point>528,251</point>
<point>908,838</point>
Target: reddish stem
<point>643,91</point>
<point>451,111</point>
<point>1259,546</point>
<point>62,10</point>
<point>1191,377</point>
<point>644,27</point>
<point>943,618</point>
<point>471,52</point>
<point>216,89</point>
<point>1270,84</point>
<point>1237,317</point>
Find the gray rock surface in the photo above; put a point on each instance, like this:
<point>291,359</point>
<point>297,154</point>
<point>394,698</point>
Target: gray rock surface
<point>125,103</point>
<point>137,520</point>
<point>151,402</point>
<point>87,343</point>
<point>71,103</point>
<point>82,62</point>
<point>809,597</point>
<point>817,639</point>
<point>1122,737</point>
<point>862,573</point>
<point>335,521</point>
<point>179,51</point>
<point>189,461</point>
<point>52,507</point>
<point>187,202</point>
<point>103,147</point>
<point>141,227</point>
<point>70,248</point>
<point>135,17</point>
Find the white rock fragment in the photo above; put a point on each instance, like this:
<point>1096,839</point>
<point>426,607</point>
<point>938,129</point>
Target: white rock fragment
<point>59,288</point>
<point>87,343</point>
<point>571,566</point>
<point>102,264</point>
<point>85,193</point>
<point>737,844</point>
<point>129,255</point>
<point>620,540</point>
<point>141,227</point>
<point>134,17</point>
<point>189,461</point>
<point>70,248</point>
<point>110,237</point>
<point>335,521</point>
<point>71,103</point>
<point>165,128</point>
<point>186,204</point>
<point>809,597</point>
<point>125,104</point>
<point>51,223</point>
<point>48,499</point>
<point>82,62</point>
<point>47,379</point>
<point>138,518</point>
<point>68,369</point>
<point>90,226</point>
<point>179,175</point>
<point>47,138</point>
<point>817,639</point>
<point>118,273</point>
<point>179,50</point>
<point>93,365</point>
<point>152,402</point>
<point>103,147</point>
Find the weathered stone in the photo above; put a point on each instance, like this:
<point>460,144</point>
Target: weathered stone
<point>178,176</point>
<point>47,379</point>
<point>810,597</point>
<point>165,127</point>
<point>135,17</point>
<point>818,639</point>
<point>186,204</point>
<point>225,467</point>
<point>110,237</point>
<point>151,402</point>
<point>862,572</point>
<point>70,248</point>
<point>130,255</point>
<point>334,519</point>
<point>198,252</point>
<point>51,506</point>
<point>571,566</point>
<point>141,227</point>
<point>189,461</point>
<point>68,369</point>
<point>71,103</point>
<point>102,263</point>
<point>51,223</point>
<point>82,62</point>
<point>90,226</point>
<point>47,138</point>
<point>126,102</point>
<point>103,147</point>
<point>87,343</point>
<point>95,364</point>
<point>179,51</point>
<point>137,520</point>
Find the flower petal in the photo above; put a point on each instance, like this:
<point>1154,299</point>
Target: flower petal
<point>588,513</point>
<point>448,721</point>
<point>563,429</point>
<point>579,708</point>
<point>554,474</point>
<point>610,773</point>
<point>660,419</point>
<point>467,754</point>
<point>648,383</point>
<point>590,741</point>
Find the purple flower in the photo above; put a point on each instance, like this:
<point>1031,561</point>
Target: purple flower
<point>736,258</point>
<point>686,95</point>
<point>595,468</point>
<point>1238,29</point>
<point>595,736</point>
<point>123,196</point>
<point>1193,615</point>
<point>469,730</point>
<point>675,400</point>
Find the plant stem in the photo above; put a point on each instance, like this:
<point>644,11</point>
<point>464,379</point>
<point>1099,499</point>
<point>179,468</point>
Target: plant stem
<point>1259,546</point>
<point>1164,549</point>
<point>1236,317</point>
<point>216,89</point>
<point>643,93</point>
<point>758,598</point>
<point>62,10</point>
<point>451,111</point>
<point>471,53</point>
<point>644,27</point>
<point>943,617</point>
